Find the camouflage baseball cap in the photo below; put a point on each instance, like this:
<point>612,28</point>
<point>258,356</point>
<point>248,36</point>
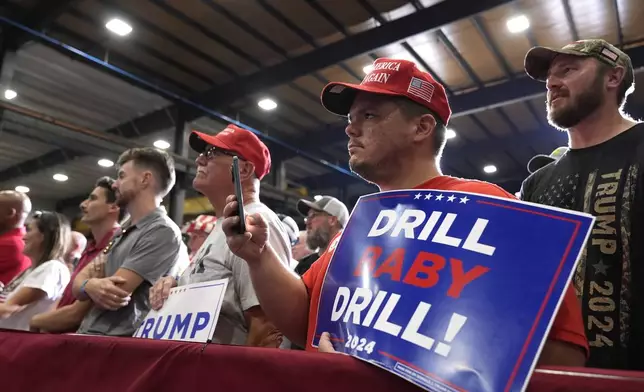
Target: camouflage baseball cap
<point>541,160</point>
<point>538,59</point>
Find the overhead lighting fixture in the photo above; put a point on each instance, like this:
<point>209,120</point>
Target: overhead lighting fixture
<point>10,94</point>
<point>267,104</point>
<point>367,68</point>
<point>105,163</point>
<point>119,27</point>
<point>22,189</point>
<point>60,177</point>
<point>450,134</point>
<point>489,169</point>
<point>518,24</point>
<point>162,144</point>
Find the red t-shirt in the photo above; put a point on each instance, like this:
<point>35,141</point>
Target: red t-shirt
<point>91,251</point>
<point>567,327</point>
<point>12,261</point>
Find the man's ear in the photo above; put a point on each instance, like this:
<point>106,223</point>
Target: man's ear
<point>424,127</point>
<point>615,76</point>
<point>146,178</point>
<point>246,170</point>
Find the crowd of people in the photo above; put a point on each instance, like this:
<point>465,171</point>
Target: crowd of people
<point>54,282</point>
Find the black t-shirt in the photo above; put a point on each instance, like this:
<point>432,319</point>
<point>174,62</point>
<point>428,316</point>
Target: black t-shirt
<point>607,181</point>
<point>305,263</point>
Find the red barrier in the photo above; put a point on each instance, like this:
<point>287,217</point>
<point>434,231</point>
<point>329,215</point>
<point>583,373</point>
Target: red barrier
<point>38,362</point>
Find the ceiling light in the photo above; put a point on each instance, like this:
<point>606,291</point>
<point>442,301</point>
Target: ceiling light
<point>162,144</point>
<point>518,24</point>
<point>267,104</point>
<point>367,68</point>
<point>119,27</point>
<point>450,134</point>
<point>60,177</point>
<point>10,94</point>
<point>22,189</point>
<point>105,163</point>
<point>489,169</point>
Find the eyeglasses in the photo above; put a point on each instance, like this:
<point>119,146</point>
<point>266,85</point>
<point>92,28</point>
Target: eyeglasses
<point>213,151</point>
<point>314,214</point>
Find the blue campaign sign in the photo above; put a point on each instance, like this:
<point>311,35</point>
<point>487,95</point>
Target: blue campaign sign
<point>452,291</point>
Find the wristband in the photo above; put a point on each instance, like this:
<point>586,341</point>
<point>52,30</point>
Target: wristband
<point>82,288</point>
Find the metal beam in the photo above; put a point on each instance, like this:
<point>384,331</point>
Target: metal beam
<point>380,19</point>
<point>620,30</point>
<point>428,19</point>
<point>571,22</point>
<point>41,18</point>
<point>479,24</point>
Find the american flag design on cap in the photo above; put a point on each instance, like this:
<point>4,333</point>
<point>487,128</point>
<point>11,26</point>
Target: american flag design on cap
<point>421,89</point>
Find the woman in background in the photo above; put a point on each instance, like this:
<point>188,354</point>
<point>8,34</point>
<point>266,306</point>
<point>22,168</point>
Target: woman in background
<point>40,286</point>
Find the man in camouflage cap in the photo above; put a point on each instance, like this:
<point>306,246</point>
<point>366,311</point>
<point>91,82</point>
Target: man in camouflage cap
<point>587,84</point>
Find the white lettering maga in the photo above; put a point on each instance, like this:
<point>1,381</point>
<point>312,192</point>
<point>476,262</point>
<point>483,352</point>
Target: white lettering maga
<point>377,77</point>
<point>391,66</point>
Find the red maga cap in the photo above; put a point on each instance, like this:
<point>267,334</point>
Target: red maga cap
<point>400,78</point>
<point>238,140</point>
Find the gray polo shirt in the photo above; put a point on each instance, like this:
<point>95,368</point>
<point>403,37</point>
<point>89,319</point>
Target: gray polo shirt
<point>151,248</point>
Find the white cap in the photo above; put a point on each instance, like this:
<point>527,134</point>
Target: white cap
<point>328,204</point>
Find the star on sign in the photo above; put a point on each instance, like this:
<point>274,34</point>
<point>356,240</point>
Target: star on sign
<point>600,268</point>
<point>451,198</point>
<point>464,200</point>
<point>428,196</point>
<point>439,197</point>
<point>418,195</point>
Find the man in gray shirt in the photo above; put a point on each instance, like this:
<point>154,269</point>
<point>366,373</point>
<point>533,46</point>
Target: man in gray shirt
<point>147,249</point>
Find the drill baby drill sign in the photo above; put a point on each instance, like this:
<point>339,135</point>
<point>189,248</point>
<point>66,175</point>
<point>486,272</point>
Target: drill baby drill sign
<point>452,291</point>
<point>425,271</point>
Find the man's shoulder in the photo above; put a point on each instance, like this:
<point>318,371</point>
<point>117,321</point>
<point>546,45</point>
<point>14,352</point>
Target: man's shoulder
<point>543,174</point>
<point>163,227</point>
<point>476,186</point>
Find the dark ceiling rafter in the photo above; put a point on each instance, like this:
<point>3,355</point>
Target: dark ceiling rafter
<point>164,58</point>
<point>40,18</point>
<point>131,65</point>
<point>113,7</point>
<point>304,36</point>
<point>427,19</point>
<point>618,20</point>
<point>570,20</point>
<point>266,41</point>
<point>333,21</point>
<point>139,46</point>
<point>227,44</point>
<point>479,24</point>
<point>417,57</point>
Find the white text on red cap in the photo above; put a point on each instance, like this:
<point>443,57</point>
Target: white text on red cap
<point>381,77</point>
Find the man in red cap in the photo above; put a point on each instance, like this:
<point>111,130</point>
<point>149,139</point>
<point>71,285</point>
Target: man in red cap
<point>241,321</point>
<point>397,118</point>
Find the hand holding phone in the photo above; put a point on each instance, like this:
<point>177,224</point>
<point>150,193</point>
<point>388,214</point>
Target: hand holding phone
<point>241,228</point>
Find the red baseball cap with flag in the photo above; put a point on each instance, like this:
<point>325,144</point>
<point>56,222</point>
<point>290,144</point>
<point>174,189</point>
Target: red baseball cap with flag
<point>400,78</point>
<point>239,141</point>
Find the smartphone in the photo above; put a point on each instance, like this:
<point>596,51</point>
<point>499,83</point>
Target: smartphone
<point>241,228</point>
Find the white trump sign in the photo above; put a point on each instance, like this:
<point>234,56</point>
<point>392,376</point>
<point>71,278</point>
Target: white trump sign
<point>189,314</point>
